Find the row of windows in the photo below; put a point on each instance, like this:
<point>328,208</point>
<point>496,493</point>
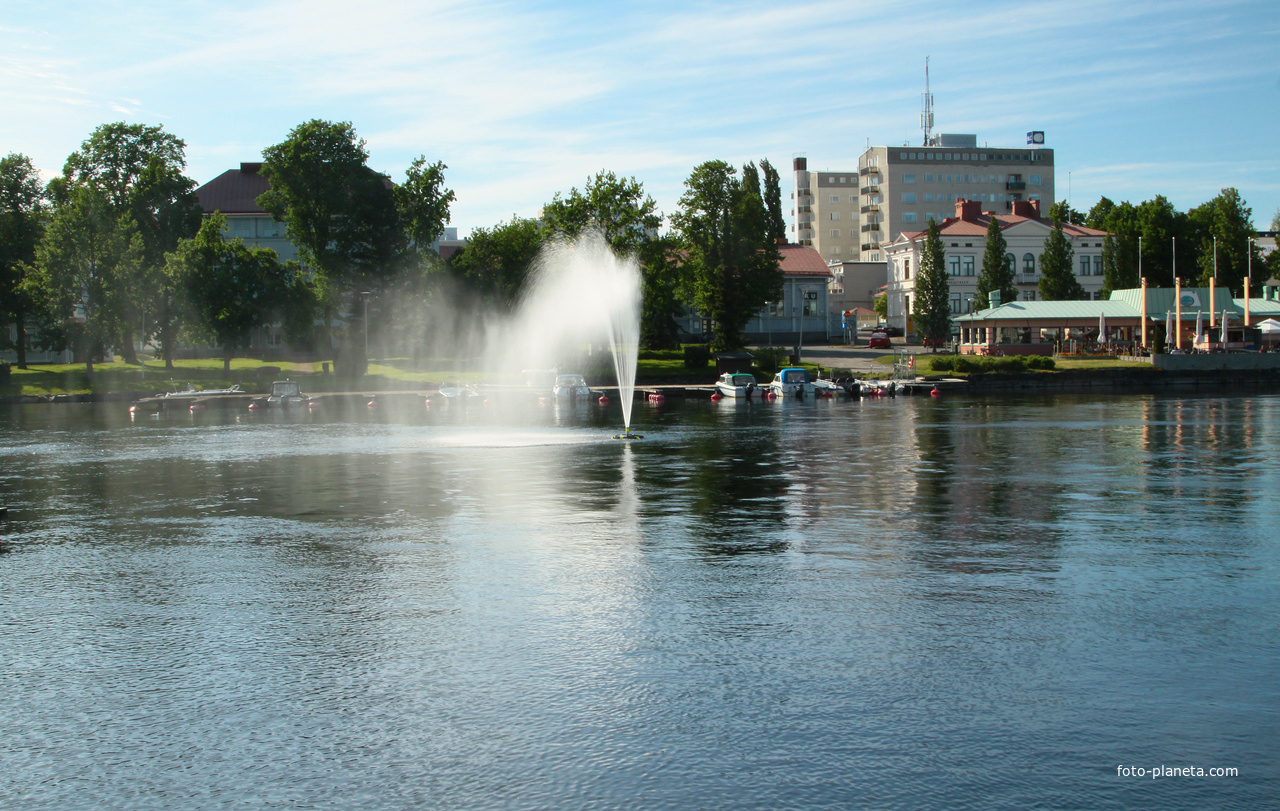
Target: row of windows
<point>1034,180</point>
<point>853,199</point>
<point>967,265</point>
<point>971,156</point>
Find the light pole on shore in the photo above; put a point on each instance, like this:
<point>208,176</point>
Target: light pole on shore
<point>365,295</point>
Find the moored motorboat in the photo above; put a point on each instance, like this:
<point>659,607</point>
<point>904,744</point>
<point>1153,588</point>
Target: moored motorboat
<point>284,394</point>
<point>792,381</point>
<point>736,384</point>
<point>571,387</point>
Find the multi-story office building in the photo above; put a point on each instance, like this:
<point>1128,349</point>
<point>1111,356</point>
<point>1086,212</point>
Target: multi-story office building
<point>848,215</point>
<point>905,187</point>
<point>825,212</point>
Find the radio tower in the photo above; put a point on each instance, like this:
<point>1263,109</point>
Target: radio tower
<point>926,118</point>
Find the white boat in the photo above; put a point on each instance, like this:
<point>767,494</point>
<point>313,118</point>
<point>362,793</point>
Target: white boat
<point>570,387</point>
<point>826,388</point>
<point>458,392</point>
<point>191,391</point>
<point>792,381</point>
<point>736,384</point>
<point>285,394</point>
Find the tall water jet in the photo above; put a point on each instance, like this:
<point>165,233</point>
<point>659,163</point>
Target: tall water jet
<point>580,292</point>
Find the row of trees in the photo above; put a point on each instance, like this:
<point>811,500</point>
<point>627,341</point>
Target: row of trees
<point>1143,236</point>
<point>115,249</point>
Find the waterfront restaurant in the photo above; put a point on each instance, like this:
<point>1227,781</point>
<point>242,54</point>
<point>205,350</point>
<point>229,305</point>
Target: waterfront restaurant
<point>1174,315</point>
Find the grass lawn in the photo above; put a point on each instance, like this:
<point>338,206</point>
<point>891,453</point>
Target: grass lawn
<point>1060,364</point>
<point>256,376</point>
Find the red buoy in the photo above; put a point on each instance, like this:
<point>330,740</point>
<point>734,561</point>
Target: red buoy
<point>716,397</point>
<point>372,404</point>
<point>196,407</point>
<point>253,406</point>
<point>603,400</point>
<point>936,392</point>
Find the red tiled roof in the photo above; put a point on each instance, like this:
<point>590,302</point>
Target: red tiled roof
<point>235,191</point>
<point>802,260</point>
<point>978,226</point>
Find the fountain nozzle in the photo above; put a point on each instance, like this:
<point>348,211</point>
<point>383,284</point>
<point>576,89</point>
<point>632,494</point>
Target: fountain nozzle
<point>627,435</point>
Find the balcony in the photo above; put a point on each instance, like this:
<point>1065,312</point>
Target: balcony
<point>1015,185</point>
<point>871,246</point>
<point>869,209</point>
<point>869,190</point>
<point>869,170</point>
<point>872,226</point>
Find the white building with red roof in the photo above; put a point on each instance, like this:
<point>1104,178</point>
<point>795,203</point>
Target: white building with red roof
<point>964,241</point>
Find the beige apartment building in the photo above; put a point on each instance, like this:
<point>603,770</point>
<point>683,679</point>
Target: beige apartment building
<point>846,215</point>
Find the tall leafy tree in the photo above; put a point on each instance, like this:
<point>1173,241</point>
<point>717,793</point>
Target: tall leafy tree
<point>773,201</point>
<point>1058,280</point>
<point>87,250</point>
<point>629,220</point>
<point>1227,218</point>
<point>231,288</point>
<point>138,172</point>
<point>496,261</point>
<point>1062,211</point>
<point>731,265</point>
<point>932,306</point>
<point>1120,248</point>
<point>22,215</point>
<point>351,224</point>
<point>997,269</point>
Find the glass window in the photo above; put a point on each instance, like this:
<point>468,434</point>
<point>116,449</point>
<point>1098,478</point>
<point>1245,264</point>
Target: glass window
<point>1028,263</point>
<point>904,156</point>
<point>955,302</point>
<point>835,198</point>
<point>835,215</point>
<point>908,216</point>
<point>1009,260</point>
<point>1084,266</point>
<point>953,266</point>
<point>1097,265</point>
<point>908,178</point>
<point>1033,197</point>
<point>909,197</point>
<point>835,251</point>
<point>928,178</point>
<point>928,197</point>
<point>906,268</point>
<point>967,263</point>
<point>1034,180</point>
<point>1029,295</point>
<point>835,233</point>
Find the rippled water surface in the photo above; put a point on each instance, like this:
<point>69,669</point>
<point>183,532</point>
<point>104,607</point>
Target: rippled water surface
<point>952,603</point>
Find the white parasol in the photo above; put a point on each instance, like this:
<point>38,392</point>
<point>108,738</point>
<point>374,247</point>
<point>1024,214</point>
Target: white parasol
<point>1199,327</point>
<point>1102,328</point>
<point>1169,339</point>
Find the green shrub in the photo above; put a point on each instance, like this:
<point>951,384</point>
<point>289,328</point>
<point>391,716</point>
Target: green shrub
<point>1040,362</point>
<point>770,359</point>
<point>697,356</point>
<point>4,371</point>
<point>943,363</point>
<point>1010,365</point>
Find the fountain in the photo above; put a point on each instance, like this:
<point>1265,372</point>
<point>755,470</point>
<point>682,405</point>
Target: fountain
<point>580,293</point>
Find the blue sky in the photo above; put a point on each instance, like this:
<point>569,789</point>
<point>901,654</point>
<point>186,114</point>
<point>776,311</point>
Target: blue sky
<point>524,99</point>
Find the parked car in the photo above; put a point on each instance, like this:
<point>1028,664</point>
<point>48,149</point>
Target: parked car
<point>879,340</point>
<point>934,343</point>
<point>892,331</point>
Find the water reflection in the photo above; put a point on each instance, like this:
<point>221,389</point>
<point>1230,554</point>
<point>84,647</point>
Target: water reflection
<point>762,606</point>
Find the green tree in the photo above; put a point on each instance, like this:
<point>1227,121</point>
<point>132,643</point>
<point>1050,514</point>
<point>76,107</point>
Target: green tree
<point>1058,280</point>
<point>22,219</point>
<point>1229,220</point>
<point>629,220</point>
<point>932,305</point>
<point>497,260</point>
<point>356,229</point>
<point>731,265</point>
<point>773,201</point>
<point>231,288</point>
<point>1062,211</point>
<point>1159,224</point>
<point>881,306</point>
<point>82,264</point>
<point>138,171</point>
<point>1120,248</point>
<point>997,269</point>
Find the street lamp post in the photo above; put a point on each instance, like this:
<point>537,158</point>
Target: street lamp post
<point>365,295</point>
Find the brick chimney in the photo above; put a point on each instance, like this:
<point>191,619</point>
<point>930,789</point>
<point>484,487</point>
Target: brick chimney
<point>1026,208</point>
<point>968,210</point>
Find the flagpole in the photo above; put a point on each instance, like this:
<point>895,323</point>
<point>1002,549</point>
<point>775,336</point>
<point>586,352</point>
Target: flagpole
<point>1248,282</point>
<point>1213,284</point>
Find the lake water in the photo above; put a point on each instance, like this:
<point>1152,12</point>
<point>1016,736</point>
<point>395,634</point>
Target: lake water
<point>913,603</point>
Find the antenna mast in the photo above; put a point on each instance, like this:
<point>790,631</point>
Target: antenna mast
<point>926,118</point>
